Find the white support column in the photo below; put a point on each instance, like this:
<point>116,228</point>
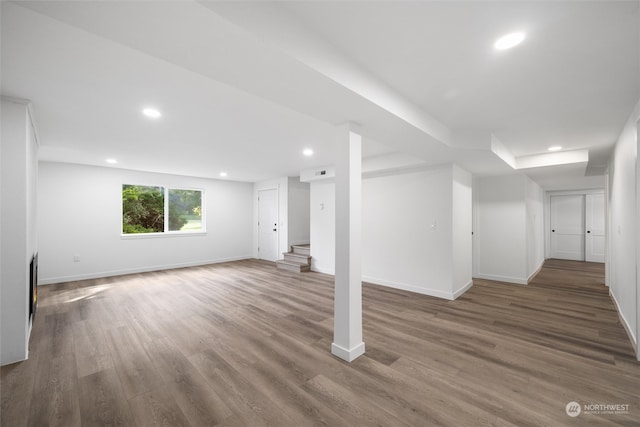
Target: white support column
<point>347,332</point>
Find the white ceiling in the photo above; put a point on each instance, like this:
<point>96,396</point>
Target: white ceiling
<point>244,87</point>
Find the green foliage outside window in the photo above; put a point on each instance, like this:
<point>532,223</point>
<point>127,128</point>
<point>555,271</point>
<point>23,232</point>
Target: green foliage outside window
<point>144,209</point>
<point>185,210</point>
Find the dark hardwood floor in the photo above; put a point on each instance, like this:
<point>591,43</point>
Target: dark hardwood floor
<point>245,344</point>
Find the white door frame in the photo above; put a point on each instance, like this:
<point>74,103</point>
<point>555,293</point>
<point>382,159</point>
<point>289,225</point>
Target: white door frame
<point>277,192</point>
<point>637,343</point>
<point>547,213</point>
<point>594,232</point>
<point>568,230</point>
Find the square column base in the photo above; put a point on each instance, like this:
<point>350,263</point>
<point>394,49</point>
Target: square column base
<point>348,355</point>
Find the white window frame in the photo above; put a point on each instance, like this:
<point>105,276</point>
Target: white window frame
<point>166,232</point>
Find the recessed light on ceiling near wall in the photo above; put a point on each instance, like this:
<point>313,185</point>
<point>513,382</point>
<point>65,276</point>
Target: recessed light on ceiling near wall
<point>509,40</point>
<point>223,174</point>
<point>152,113</point>
<point>308,152</point>
<point>111,161</point>
<point>555,148</point>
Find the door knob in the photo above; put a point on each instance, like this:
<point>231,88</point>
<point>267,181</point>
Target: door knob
<point>588,231</point>
<point>553,231</point>
<point>274,229</point>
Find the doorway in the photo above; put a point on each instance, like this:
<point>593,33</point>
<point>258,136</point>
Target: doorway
<point>268,224</point>
<point>577,227</point>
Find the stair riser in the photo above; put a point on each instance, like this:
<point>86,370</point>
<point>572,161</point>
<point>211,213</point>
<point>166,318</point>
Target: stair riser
<point>296,268</point>
<point>293,258</point>
<point>301,250</point>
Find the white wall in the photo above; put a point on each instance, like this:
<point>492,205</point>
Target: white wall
<point>623,241</point>
<point>462,214</point>
<point>299,215</point>
<point>535,228</point>
<point>322,226</point>
<point>19,232</point>
<point>501,229</point>
<point>400,248</point>
<point>80,213</point>
<point>409,240</point>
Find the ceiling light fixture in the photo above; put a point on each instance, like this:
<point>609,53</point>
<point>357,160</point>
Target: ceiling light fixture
<point>152,113</point>
<point>111,161</point>
<point>223,174</point>
<point>308,152</point>
<point>508,41</point>
<point>555,148</point>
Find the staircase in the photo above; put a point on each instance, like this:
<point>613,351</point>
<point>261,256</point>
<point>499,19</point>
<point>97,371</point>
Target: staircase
<point>298,259</point>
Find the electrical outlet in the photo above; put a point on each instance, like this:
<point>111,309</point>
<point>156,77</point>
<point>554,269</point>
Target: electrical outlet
<point>76,258</point>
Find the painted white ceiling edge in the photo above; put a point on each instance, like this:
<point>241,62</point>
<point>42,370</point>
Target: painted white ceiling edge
<point>270,23</point>
<point>298,42</point>
<point>32,117</point>
<point>83,19</point>
<point>419,130</point>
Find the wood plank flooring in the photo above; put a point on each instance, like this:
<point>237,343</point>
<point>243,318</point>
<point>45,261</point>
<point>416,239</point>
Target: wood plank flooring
<point>246,344</point>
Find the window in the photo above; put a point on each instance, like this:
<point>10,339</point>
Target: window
<point>185,210</point>
<point>149,209</point>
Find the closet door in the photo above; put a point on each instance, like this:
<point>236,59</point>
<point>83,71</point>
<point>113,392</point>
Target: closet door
<point>568,227</point>
<point>594,224</point>
<point>268,225</point>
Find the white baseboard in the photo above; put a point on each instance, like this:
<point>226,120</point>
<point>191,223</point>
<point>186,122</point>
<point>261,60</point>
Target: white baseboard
<point>348,355</point>
<point>507,279</point>
<point>98,275</point>
<point>405,287</point>
<point>411,288</point>
<point>462,290</point>
<point>321,269</point>
<point>536,271</point>
<point>625,323</point>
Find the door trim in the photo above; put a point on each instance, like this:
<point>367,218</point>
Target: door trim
<point>574,232</point>
<point>591,231</point>
<point>277,205</point>
<point>547,213</point>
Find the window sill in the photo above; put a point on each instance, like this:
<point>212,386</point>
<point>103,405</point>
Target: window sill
<point>161,235</point>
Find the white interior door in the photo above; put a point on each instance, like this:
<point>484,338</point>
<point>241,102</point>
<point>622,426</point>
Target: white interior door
<point>567,227</point>
<point>594,224</point>
<point>268,224</point>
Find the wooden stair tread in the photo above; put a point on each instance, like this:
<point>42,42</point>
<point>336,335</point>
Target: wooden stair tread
<point>286,261</point>
<point>296,255</point>
<point>298,259</point>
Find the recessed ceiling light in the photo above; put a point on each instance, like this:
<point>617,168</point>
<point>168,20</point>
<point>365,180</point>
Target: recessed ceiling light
<point>308,152</point>
<point>152,113</point>
<point>508,41</point>
<point>555,148</point>
<point>223,174</point>
<point>111,161</point>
